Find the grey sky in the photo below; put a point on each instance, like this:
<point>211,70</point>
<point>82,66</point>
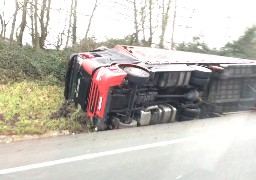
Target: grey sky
<point>215,21</point>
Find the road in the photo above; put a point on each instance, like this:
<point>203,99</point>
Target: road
<point>219,148</point>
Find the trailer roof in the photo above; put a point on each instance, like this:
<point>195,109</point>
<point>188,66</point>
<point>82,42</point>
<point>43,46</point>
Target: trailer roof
<point>162,56</point>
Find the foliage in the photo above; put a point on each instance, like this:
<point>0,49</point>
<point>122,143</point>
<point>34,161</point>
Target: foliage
<point>110,43</point>
<point>29,100</point>
<point>39,126</point>
<point>195,46</point>
<point>20,63</point>
<point>89,44</point>
<point>31,91</point>
<point>85,45</point>
<point>244,47</point>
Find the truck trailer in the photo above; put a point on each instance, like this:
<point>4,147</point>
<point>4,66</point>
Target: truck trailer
<point>130,86</point>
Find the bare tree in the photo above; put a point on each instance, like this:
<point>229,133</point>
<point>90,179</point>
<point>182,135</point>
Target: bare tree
<point>90,20</point>
<point>32,22</point>
<point>44,23</point>
<point>165,17</point>
<point>23,22</point>
<point>144,12</point>
<point>70,22</point>
<point>74,24</point>
<point>136,24</point>
<point>36,40</point>
<point>14,19</point>
<point>59,42</point>
<point>173,24</point>
<point>60,37</point>
<point>150,8</point>
<point>3,23</point>
<point>143,20</point>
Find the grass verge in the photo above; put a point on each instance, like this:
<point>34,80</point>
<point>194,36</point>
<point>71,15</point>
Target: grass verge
<point>36,108</point>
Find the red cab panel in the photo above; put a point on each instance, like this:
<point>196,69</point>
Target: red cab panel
<point>103,79</point>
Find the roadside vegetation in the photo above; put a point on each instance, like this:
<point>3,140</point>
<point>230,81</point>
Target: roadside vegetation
<point>243,47</point>
<point>31,92</point>
<point>34,108</point>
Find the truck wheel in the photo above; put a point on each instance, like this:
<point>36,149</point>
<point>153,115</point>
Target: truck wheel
<point>198,81</point>
<point>123,125</point>
<point>189,112</point>
<point>99,124</point>
<point>136,75</point>
<point>201,72</point>
<point>185,118</point>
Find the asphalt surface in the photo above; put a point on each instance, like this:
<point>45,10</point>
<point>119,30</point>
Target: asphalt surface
<point>219,148</point>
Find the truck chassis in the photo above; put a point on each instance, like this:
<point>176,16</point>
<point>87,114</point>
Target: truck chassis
<point>131,86</point>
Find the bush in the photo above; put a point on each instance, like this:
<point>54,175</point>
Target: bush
<point>25,63</point>
<point>31,92</point>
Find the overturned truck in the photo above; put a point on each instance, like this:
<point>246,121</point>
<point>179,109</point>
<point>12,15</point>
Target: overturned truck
<point>136,86</point>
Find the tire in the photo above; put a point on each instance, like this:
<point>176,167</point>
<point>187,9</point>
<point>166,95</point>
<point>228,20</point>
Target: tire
<point>185,118</point>
<point>189,112</point>
<point>99,124</point>
<point>123,125</point>
<point>114,123</point>
<point>201,72</point>
<point>136,75</point>
<point>198,81</point>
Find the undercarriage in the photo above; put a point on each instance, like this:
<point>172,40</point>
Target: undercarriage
<point>127,92</point>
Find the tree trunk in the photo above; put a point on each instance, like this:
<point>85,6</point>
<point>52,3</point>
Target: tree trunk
<point>44,25</point>
<point>23,22</point>
<point>59,41</point>
<point>173,24</point>
<point>14,20</point>
<point>36,27</point>
<point>90,20</point>
<point>32,23</point>
<point>136,24</point>
<point>143,20</point>
<point>150,24</point>
<point>165,17</point>
<point>69,26</point>
<point>74,24</point>
<point>2,25</point>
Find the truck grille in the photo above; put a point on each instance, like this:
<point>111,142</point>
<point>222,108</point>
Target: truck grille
<point>93,99</point>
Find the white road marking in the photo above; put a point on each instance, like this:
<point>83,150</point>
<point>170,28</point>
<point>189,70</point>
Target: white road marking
<point>180,176</point>
<point>91,156</point>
